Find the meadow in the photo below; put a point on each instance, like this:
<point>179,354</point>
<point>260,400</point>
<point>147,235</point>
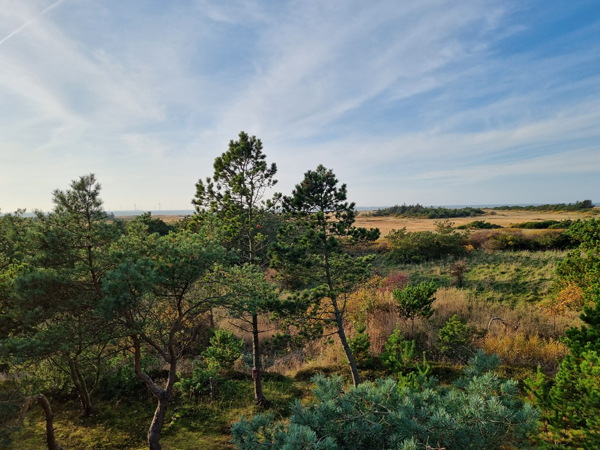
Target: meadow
<point>508,285</point>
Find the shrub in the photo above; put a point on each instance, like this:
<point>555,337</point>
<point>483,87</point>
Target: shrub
<point>419,246</point>
<point>360,345</point>
<point>479,411</point>
<point>399,353</point>
<point>203,382</point>
<point>453,339</point>
<point>415,301</point>
<point>478,225</point>
<point>225,349</point>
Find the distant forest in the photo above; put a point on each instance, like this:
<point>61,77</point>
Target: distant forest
<point>577,206</point>
<point>439,212</point>
<point>427,212</point>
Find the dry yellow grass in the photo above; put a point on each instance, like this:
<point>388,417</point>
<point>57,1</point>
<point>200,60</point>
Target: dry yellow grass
<point>502,218</point>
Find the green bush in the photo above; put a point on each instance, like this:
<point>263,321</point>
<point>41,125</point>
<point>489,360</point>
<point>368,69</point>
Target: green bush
<point>478,225</point>
<point>453,339</point>
<point>225,349</point>
<point>420,246</point>
<point>427,212</point>
<point>544,224</point>
<point>479,411</point>
<point>399,353</point>
<point>360,345</point>
<point>119,381</point>
<point>199,384</point>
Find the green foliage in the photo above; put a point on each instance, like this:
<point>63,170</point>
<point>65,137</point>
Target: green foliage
<point>399,353</point>
<point>235,193</point>
<point>427,212</point>
<point>415,300</point>
<point>544,224</point>
<point>480,411</point>
<point>577,206</point>
<point>56,285</point>
<point>225,349</point>
<point>581,266</point>
<point>360,345</point>
<point>517,240</point>
<point>571,402</point>
<point>153,225</point>
<point>199,384</point>
<point>311,248</point>
<point>453,339</point>
<point>478,225</point>
<point>419,246</point>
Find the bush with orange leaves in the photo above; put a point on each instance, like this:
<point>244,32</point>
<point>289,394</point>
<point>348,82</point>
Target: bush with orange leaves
<point>569,298</point>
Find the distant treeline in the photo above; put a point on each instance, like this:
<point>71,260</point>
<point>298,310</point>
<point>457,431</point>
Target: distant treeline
<point>427,212</point>
<point>577,206</point>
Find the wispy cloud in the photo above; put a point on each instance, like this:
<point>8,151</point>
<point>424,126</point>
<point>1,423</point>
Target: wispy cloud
<point>402,99</point>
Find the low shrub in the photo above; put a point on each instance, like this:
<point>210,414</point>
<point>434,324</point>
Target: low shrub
<point>419,246</point>
<point>517,240</point>
<point>544,224</point>
<point>478,225</point>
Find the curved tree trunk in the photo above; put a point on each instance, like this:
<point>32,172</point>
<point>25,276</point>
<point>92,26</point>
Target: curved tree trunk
<point>50,439</point>
<point>162,395</point>
<point>344,341</point>
<point>256,370</point>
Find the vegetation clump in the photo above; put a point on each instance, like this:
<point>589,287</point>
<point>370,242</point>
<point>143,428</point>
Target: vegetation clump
<point>479,411</point>
<point>427,212</point>
<point>577,206</point>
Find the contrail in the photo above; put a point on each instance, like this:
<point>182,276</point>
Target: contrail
<point>30,21</point>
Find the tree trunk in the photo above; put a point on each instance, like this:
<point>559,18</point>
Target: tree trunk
<point>344,341</point>
<point>256,370</point>
<point>81,387</point>
<point>162,395</point>
<point>50,439</point>
<point>158,420</point>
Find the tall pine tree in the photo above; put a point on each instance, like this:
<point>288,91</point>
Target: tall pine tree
<point>237,194</point>
<point>311,248</point>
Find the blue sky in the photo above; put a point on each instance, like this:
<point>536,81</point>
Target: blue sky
<point>430,101</point>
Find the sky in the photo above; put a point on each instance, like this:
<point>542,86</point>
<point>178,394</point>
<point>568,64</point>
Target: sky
<point>441,102</point>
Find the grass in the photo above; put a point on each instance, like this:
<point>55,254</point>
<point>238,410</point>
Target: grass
<point>189,425</point>
<point>507,277</point>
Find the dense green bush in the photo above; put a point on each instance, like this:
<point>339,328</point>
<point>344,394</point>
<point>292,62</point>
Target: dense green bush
<point>399,353</point>
<point>570,403</point>
<point>119,381</point>
<point>360,345</point>
<point>453,339</point>
<point>517,240</point>
<point>479,411</point>
<point>419,246</point>
<point>478,225</point>
<point>203,382</point>
<point>544,224</point>
<point>428,212</point>
<point>225,349</point>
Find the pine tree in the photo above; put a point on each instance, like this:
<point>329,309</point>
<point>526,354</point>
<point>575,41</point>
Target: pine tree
<point>236,194</point>
<point>155,297</point>
<point>311,248</point>
<point>56,285</point>
<point>415,301</point>
<point>480,412</point>
<point>572,400</point>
